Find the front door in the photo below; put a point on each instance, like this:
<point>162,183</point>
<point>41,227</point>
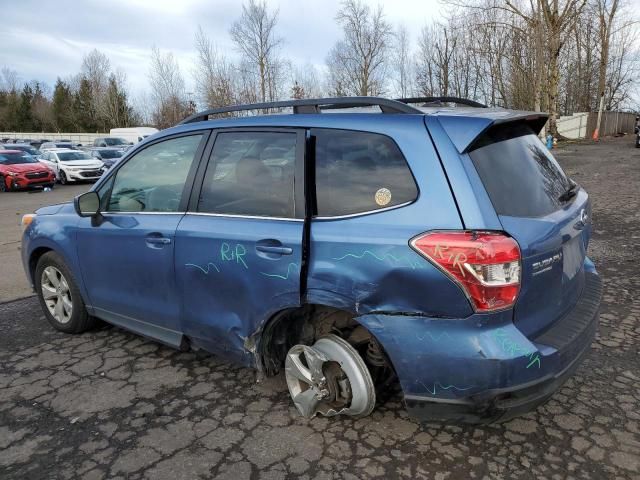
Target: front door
<point>239,248</point>
<point>126,257</point>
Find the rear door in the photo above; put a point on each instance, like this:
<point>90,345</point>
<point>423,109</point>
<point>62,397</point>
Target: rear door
<point>239,248</point>
<point>528,190</point>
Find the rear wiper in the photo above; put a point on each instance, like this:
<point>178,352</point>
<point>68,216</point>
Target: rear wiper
<point>571,192</point>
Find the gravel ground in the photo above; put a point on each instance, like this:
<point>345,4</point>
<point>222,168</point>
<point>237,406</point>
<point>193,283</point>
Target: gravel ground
<point>108,404</point>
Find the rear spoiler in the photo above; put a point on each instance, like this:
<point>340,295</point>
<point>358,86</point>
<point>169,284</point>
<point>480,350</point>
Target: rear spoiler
<point>465,130</point>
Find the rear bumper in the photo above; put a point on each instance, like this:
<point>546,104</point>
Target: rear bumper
<point>483,369</point>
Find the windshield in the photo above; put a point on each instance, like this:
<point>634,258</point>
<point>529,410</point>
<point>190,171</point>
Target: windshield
<point>64,145</point>
<point>67,156</point>
<point>110,153</point>
<point>25,148</point>
<point>115,141</point>
<point>519,173</point>
<point>16,158</point>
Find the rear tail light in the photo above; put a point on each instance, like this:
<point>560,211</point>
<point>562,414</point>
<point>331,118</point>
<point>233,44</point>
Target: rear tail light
<point>485,264</point>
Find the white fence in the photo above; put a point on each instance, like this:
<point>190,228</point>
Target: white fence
<point>573,126</point>
<point>82,138</point>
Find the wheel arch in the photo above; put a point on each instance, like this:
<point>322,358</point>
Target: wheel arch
<point>34,257</point>
<point>304,324</point>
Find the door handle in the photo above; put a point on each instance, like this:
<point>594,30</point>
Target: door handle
<point>158,240</point>
<point>274,249</point>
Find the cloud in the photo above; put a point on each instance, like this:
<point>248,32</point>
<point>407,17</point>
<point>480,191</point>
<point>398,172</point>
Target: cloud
<point>44,40</point>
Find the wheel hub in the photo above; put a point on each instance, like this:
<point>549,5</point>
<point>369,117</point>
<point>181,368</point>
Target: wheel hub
<point>329,378</point>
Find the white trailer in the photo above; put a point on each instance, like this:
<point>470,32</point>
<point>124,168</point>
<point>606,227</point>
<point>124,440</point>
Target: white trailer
<point>133,134</point>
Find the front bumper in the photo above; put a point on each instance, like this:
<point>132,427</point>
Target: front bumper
<point>21,182</point>
<point>84,175</point>
<point>483,369</point>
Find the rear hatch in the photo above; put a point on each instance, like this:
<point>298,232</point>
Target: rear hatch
<point>545,211</point>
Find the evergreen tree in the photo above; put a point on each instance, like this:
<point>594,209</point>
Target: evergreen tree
<point>118,113</point>
<point>24,116</point>
<point>63,114</point>
<point>84,108</point>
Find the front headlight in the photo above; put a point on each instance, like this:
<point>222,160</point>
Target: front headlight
<point>13,174</point>
<point>27,219</point>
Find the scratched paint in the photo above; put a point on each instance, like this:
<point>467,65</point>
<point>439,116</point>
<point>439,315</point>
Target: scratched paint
<point>512,347</point>
<point>401,261</point>
<point>441,387</point>
<point>436,338</point>
<point>292,267</point>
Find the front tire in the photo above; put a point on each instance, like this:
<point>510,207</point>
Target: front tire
<point>59,296</point>
<point>3,185</point>
<point>63,178</point>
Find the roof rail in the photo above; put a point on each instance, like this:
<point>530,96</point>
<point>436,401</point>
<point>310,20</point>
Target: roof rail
<point>438,100</point>
<point>309,105</point>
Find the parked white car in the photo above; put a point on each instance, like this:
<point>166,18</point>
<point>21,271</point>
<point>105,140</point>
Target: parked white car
<point>72,165</point>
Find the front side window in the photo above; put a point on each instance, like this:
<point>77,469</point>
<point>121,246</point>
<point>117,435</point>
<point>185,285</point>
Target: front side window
<point>359,172</point>
<point>153,180</point>
<point>250,173</point>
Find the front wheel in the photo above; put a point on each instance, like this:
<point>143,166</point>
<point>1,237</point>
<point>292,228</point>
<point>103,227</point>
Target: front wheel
<point>63,178</point>
<point>59,296</point>
<point>3,184</point>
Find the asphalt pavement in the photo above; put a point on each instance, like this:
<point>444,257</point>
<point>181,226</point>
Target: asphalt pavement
<point>109,404</point>
<point>13,205</point>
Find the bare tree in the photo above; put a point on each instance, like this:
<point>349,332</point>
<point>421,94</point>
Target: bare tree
<point>255,37</point>
<point>9,80</point>
<point>401,63</point>
<point>606,11</point>
<point>170,104</point>
<point>558,16</point>
<point>307,78</point>
<point>436,47</point>
<point>96,69</point>
<point>357,63</point>
<point>213,74</point>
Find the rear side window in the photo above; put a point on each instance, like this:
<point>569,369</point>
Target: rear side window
<point>252,174</point>
<point>359,172</point>
<point>519,173</point>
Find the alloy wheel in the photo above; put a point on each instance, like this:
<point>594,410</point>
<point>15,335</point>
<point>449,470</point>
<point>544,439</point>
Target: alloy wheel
<point>56,294</point>
<point>329,378</point>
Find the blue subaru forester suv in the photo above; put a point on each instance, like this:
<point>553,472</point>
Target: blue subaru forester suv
<point>355,243</point>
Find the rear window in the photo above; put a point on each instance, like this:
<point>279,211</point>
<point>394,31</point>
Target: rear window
<point>519,173</point>
<point>359,172</point>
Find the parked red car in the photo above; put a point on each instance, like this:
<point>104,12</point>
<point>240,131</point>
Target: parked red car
<point>20,170</point>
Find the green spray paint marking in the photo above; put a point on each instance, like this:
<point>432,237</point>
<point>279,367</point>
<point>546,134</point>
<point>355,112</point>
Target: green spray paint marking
<point>291,266</point>
<point>227,254</point>
<point>208,269</point>
<point>514,348</point>
<point>433,390</point>
<point>534,361</point>
<point>386,256</point>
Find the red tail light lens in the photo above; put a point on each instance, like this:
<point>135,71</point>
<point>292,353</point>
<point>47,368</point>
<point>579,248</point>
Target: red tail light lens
<point>485,264</point>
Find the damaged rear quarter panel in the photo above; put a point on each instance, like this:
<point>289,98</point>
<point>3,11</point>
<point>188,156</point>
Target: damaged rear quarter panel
<point>364,263</point>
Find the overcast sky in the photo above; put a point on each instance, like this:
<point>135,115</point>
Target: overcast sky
<point>46,39</point>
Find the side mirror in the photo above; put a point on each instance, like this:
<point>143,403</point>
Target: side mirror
<point>87,204</point>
